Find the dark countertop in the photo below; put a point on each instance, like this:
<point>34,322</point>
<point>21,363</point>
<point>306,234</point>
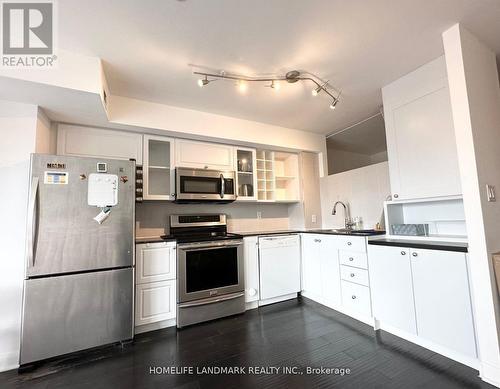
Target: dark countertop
<point>320,231</point>
<point>421,244</point>
<point>153,239</point>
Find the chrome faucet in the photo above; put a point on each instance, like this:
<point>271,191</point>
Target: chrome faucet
<point>348,224</point>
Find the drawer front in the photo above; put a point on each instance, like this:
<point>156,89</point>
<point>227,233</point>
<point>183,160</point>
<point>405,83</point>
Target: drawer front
<point>355,259</point>
<point>356,298</point>
<point>352,243</point>
<point>155,262</point>
<point>155,302</point>
<point>353,274</point>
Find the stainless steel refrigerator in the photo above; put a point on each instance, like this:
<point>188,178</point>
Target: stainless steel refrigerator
<point>78,289</point>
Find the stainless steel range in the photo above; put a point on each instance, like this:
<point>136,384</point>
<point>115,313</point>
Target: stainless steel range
<point>209,268</point>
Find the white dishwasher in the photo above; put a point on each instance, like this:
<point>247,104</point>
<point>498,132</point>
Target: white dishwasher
<point>279,260</point>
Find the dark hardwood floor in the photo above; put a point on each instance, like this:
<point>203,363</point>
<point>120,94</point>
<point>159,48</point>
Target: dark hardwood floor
<point>296,333</point>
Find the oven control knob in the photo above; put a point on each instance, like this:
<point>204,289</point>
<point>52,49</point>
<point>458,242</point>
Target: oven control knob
<point>252,292</point>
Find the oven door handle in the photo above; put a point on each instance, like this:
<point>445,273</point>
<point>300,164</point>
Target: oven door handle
<point>198,246</point>
<point>212,300</point>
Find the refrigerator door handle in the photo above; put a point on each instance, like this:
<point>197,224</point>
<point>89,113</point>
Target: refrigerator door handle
<point>32,221</point>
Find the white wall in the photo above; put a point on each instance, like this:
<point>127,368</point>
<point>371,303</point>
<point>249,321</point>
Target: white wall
<point>17,141</point>
<point>46,134</point>
<point>190,123</point>
<point>475,100</point>
<point>364,189</point>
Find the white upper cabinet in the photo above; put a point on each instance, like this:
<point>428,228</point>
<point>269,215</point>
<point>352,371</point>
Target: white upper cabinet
<point>98,143</point>
<point>391,287</point>
<point>442,299</point>
<point>423,160</point>
<point>203,155</point>
<point>158,169</point>
<point>246,173</point>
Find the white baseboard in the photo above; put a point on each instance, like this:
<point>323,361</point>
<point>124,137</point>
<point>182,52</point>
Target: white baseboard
<point>437,348</point>
<point>9,361</point>
<point>277,299</point>
<point>155,326</point>
<point>251,305</point>
<point>490,374</point>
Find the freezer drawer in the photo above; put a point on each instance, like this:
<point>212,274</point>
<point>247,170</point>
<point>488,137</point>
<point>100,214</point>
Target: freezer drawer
<point>75,312</point>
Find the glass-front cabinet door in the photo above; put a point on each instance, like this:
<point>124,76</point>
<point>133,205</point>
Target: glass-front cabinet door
<point>246,177</point>
<point>158,168</point>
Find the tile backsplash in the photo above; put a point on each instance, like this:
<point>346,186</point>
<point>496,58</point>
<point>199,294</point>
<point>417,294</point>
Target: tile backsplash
<point>152,217</point>
<point>364,190</point>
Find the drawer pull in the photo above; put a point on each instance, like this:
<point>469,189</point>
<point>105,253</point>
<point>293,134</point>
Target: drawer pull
<point>403,252</point>
<point>352,274</point>
<point>317,240</point>
<point>351,259</point>
<point>353,297</point>
<point>415,254</point>
<point>349,243</point>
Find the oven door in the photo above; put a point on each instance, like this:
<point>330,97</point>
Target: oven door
<point>209,269</point>
<point>209,185</point>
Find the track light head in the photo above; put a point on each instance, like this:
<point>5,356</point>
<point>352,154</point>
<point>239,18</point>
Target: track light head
<point>316,91</point>
<point>203,81</point>
<point>242,86</point>
<point>334,104</point>
<point>275,85</point>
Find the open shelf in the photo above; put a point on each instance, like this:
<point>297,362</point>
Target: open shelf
<point>277,176</point>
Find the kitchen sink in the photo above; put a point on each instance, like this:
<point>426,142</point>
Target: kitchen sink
<point>346,231</point>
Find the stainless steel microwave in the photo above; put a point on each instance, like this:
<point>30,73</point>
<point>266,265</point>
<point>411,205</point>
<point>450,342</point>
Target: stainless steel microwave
<point>203,185</point>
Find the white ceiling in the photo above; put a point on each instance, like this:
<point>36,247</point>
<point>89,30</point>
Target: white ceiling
<point>359,45</point>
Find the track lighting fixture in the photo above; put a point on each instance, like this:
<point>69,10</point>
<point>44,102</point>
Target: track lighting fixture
<point>203,82</point>
<point>290,77</point>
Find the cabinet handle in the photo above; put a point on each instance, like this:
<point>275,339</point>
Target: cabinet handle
<point>352,274</point>
<point>415,254</point>
<point>351,259</point>
<point>206,166</point>
<point>353,297</point>
<point>349,243</point>
<point>396,195</point>
<point>317,240</point>
<point>403,252</point>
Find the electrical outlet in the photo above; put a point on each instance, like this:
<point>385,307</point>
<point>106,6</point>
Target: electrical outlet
<point>490,193</point>
<point>259,215</point>
<point>313,219</point>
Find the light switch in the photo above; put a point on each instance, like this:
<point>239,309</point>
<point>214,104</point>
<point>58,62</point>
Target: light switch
<point>490,192</point>
<point>313,219</point>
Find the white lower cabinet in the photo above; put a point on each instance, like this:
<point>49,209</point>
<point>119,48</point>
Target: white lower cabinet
<point>356,298</point>
<point>442,299</point>
<point>391,287</point>
<point>155,283</point>
<point>320,268</point>
<point>424,293</point>
<point>251,253</point>
<point>155,301</point>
